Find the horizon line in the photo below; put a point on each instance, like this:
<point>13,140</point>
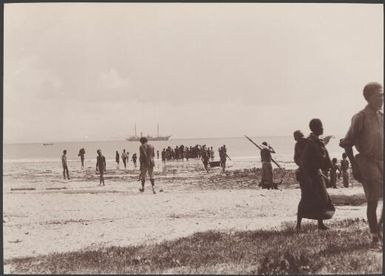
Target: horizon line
<point>116,140</point>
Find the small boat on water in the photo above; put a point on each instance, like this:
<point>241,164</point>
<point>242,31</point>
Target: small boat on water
<point>47,144</point>
<point>136,138</point>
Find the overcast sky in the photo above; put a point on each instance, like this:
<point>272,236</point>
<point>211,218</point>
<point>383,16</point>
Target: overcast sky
<point>90,71</point>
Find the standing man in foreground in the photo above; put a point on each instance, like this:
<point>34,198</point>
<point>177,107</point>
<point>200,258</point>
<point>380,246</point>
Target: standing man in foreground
<point>146,158</point>
<point>366,134</point>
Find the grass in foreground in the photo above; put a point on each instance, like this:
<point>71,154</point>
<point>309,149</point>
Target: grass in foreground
<point>342,249</point>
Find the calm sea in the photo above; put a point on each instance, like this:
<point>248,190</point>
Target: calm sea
<point>239,149</point>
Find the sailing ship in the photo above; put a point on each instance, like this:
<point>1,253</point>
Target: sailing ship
<point>136,138</point>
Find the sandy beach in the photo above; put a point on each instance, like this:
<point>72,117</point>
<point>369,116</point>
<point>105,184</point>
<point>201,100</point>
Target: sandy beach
<point>62,216</point>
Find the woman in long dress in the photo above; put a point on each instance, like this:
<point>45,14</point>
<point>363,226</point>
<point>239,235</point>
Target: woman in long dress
<point>315,201</point>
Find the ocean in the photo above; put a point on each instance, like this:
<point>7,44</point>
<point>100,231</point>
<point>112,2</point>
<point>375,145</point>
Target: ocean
<point>243,153</point>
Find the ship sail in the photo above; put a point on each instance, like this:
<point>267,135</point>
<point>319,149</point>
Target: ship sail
<point>149,138</point>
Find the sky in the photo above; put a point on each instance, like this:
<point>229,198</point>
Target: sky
<point>91,71</point>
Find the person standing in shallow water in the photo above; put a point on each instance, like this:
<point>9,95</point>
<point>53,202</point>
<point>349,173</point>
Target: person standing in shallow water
<point>124,158</point>
<point>117,159</point>
<point>82,152</point>
<point>366,134</point>
<point>147,163</point>
<point>100,166</point>
<point>134,159</point>
<point>65,165</point>
<point>315,202</point>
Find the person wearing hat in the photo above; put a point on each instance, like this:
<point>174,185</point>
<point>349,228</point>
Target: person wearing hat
<point>100,166</point>
<point>267,168</point>
<point>146,158</point>
<point>366,135</point>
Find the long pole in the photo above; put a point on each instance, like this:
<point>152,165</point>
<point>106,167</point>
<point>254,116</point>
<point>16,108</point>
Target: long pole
<point>255,144</point>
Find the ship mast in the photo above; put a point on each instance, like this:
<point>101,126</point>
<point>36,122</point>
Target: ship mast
<point>135,130</point>
<point>157,129</point>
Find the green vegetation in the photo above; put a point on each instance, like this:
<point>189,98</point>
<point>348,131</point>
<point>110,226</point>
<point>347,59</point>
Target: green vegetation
<point>342,249</point>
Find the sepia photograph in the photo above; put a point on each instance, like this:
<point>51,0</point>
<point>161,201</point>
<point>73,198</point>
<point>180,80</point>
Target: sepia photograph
<point>193,138</point>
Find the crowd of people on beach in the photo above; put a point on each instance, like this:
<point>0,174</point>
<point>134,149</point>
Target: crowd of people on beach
<point>311,156</point>
<point>186,152</point>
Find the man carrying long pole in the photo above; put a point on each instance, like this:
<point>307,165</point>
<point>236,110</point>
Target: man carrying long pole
<point>267,169</point>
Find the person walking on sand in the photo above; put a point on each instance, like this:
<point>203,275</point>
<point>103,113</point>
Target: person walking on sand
<point>157,154</point>
<point>117,159</point>
<point>100,166</point>
<point>146,159</point>
<point>344,170</point>
<point>82,152</point>
<point>366,134</point>
<point>315,201</point>
<point>124,158</point>
<point>65,165</point>
<point>267,168</point>
<point>333,173</point>
<point>134,159</point>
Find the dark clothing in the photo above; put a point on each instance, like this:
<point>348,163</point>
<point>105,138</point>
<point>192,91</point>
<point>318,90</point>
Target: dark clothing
<point>333,175</point>
<point>117,157</point>
<point>265,155</point>
<point>315,202</point>
<point>298,152</point>
<point>267,176</point>
<point>344,165</point>
<point>326,179</point>
<point>267,169</point>
<point>134,159</point>
<point>82,152</point>
<point>344,170</point>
